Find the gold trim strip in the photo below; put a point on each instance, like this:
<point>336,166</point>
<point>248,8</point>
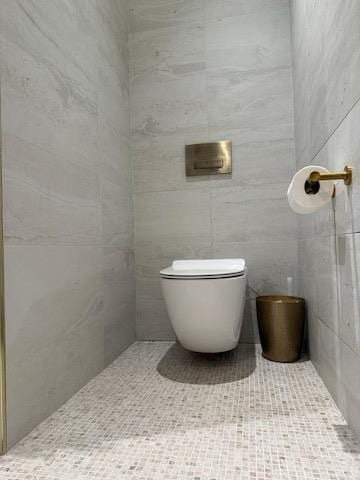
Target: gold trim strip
<point>3,418</point>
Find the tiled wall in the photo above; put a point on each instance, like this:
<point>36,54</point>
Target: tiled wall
<point>204,70</point>
<point>69,278</point>
<point>326,63</point>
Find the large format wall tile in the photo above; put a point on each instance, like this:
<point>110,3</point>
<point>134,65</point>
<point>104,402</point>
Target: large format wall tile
<point>250,40</point>
<point>159,164</point>
<point>49,198</point>
<point>68,207</point>
<point>253,212</point>
<point>338,366</point>
<point>54,328</point>
<point>117,214</point>
<point>172,216</point>
<point>168,107</point>
<point>269,263</point>
<point>119,301</point>
<point>152,14</point>
<point>49,74</point>
<point>266,158</point>
<point>171,52</point>
<point>253,98</point>
<point>343,148</point>
<point>231,8</point>
<point>112,33</point>
<point>205,71</point>
<point>326,66</point>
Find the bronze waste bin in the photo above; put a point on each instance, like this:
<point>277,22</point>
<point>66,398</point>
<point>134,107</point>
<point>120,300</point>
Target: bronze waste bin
<point>281,326</point>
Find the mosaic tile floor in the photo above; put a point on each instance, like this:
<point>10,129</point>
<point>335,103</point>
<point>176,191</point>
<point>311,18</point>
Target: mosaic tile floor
<point>159,412</point>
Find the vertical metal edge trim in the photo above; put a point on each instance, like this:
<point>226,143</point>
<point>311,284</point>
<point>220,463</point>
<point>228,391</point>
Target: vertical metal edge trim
<point>3,417</point>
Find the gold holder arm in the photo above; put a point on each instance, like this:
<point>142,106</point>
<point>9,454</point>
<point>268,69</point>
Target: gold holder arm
<point>346,175</point>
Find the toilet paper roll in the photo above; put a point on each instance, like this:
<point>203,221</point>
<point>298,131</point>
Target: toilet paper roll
<point>302,202</point>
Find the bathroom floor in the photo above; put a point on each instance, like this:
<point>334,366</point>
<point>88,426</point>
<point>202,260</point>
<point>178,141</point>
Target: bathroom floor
<point>159,412</point>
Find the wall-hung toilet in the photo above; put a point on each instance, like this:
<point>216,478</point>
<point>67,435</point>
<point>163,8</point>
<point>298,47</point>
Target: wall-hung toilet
<point>205,300</point>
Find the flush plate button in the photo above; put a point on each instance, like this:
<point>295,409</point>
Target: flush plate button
<point>208,158</point>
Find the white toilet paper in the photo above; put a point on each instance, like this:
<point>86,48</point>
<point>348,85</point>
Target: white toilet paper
<point>299,200</point>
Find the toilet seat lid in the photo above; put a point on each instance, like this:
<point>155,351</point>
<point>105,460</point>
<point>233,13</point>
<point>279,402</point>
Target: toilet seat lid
<point>219,268</point>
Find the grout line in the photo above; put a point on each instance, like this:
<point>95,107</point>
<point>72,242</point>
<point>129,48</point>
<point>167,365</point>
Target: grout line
<point>335,129</point>
<point>337,335</point>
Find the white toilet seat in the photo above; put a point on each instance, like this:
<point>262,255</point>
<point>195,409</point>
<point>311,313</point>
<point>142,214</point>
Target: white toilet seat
<point>204,269</point>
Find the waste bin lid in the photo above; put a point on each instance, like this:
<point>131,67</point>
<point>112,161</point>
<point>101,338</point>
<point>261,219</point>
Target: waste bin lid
<point>280,299</point>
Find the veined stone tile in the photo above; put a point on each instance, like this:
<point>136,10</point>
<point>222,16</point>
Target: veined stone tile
<point>231,8</point>
<point>171,216</point>
<point>119,301</point>
<point>49,74</point>
<point>49,197</point>
<point>269,263</point>
<point>117,214</point>
<point>243,214</point>
<point>254,98</point>
<point>153,14</point>
<point>252,41</point>
<point>173,106</point>
<point>172,52</point>
<point>112,32</point>
<point>54,335</point>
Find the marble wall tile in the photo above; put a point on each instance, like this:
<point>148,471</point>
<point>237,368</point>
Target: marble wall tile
<point>307,277</point>
<point>152,321</point>
<point>326,278</point>
<point>338,366</point>
<point>269,263</point>
<point>326,53</point>
<point>255,212</point>
<point>337,89</point>
<point>117,214</point>
<point>68,208</point>
<point>54,335</point>
<point>349,362</point>
<point>348,260</point>
<point>330,64</point>
<point>168,107</point>
<point>250,98</point>
<point>112,33</point>
<point>231,8</point>
<point>249,330</point>
<point>159,163</point>
<point>49,74</point>
<point>249,40</point>
<point>172,216</point>
<point>49,198</point>
<point>119,300</point>
<point>152,14</point>
<point>257,162</point>
<point>171,52</point>
<point>113,100</point>
<point>343,148</point>
<point>207,71</point>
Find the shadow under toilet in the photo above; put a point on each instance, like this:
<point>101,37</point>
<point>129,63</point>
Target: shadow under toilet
<point>183,366</point>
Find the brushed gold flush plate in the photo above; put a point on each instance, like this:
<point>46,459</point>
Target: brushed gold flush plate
<point>208,158</point>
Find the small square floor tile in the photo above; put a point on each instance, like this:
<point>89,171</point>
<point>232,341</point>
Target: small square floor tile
<point>160,412</point>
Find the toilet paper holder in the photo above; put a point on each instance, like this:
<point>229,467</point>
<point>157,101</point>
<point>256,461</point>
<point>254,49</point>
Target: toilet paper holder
<point>312,185</point>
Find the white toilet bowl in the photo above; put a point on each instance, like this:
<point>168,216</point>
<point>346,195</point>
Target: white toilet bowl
<point>205,300</point>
